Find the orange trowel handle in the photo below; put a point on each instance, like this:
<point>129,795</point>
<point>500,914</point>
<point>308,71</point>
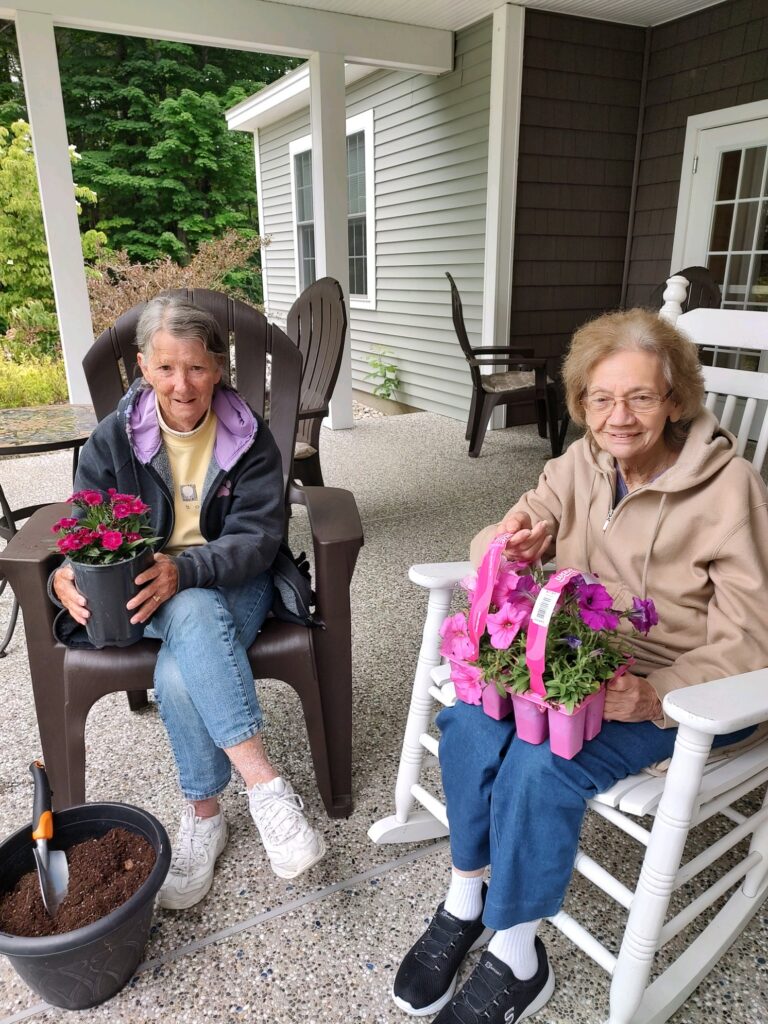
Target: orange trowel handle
<point>42,818</point>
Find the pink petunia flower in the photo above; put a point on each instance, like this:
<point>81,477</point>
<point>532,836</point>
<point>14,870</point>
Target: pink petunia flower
<point>111,540</point>
<point>504,625</point>
<point>467,682</point>
<point>506,583</point>
<point>469,584</point>
<point>456,643</point>
<point>595,607</point>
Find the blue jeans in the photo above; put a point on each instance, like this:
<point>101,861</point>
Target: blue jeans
<point>203,681</point>
<point>519,808</point>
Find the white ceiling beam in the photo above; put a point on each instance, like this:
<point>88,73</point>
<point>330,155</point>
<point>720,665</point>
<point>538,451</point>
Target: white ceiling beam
<point>257,25</point>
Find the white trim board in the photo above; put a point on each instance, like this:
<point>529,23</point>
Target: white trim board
<point>695,125</point>
<point>359,123</point>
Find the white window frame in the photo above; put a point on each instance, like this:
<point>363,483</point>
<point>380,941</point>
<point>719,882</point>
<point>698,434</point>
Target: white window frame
<point>695,125</point>
<point>359,123</point>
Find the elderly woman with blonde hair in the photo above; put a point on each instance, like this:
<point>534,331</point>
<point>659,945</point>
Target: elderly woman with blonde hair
<point>655,501</point>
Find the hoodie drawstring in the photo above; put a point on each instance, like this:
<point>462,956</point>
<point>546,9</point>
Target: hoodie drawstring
<point>654,535</point>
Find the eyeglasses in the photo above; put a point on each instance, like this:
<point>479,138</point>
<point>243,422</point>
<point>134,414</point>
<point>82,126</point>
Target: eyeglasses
<point>642,402</point>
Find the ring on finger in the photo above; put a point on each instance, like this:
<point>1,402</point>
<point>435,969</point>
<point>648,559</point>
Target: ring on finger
<point>156,599</point>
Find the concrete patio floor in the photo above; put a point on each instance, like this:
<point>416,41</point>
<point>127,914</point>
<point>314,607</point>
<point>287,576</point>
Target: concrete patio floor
<point>324,949</point>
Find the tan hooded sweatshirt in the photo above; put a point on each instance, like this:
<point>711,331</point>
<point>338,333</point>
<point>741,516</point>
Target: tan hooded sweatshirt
<point>695,540</point>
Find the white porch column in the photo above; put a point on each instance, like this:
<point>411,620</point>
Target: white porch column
<point>42,86</point>
<point>506,88</point>
<point>327,108</point>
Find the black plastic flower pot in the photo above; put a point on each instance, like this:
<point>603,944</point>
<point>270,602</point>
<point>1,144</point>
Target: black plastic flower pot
<point>107,589</point>
<point>87,966</point>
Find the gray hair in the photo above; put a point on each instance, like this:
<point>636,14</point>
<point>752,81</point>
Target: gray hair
<point>184,321</point>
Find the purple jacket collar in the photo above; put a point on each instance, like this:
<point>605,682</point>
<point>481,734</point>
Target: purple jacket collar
<point>235,430</point>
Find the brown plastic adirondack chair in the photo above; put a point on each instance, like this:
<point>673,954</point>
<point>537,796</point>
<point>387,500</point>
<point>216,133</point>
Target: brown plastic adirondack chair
<point>317,323</point>
<point>316,662</point>
<point>524,380</point>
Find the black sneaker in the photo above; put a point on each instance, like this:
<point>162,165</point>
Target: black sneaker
<point>427,976</point>
<point>493,995</point>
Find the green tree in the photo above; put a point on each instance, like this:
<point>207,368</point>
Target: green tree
<point>148,118</point>
<point>26,294</point>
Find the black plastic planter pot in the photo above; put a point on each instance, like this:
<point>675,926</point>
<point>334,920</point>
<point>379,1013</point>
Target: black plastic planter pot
<point>85,967</point>
<point>108,588</point>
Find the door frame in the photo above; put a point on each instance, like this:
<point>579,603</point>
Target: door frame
<point>695,125</point>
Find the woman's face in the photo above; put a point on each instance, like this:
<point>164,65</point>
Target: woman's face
<point>630,436</point>
<point>183,374</point>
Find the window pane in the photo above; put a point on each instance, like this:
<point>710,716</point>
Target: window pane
<point>752,172</point>
<point>762,231</point>
<point>358,263</point>
<point>303,172</point>
<point>744,231</point>
<point>356,173</point>
<point>306,255</point>
<point>736,285</point>
<point>759,290</point>
<point>716,266</point>
<point>729,174</point>
<point>721,228</point>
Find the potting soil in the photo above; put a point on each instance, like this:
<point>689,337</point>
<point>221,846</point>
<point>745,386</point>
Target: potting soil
<point>103,873</point>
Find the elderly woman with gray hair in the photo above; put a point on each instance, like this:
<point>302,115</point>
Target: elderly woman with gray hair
<point>211,473</point>
<point>655,501</point>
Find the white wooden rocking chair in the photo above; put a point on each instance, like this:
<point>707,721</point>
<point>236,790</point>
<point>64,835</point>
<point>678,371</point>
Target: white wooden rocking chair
<point>693,790</point>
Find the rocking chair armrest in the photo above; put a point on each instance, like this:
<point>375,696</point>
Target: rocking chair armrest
<point>337,533</point>
<point>27,561</point>
<point>511,350</point>
<point>721,705</point>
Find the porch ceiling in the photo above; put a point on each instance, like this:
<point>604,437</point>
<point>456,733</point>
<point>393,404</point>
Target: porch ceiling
<point>457,14</point>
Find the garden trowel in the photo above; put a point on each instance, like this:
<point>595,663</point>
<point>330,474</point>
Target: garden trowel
<point>52,867</point>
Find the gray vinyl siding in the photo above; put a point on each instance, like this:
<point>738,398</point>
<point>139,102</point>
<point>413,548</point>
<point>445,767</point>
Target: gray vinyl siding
<point>431,152</point>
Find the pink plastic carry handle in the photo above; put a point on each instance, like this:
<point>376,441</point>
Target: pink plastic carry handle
<point>486,579</point>
<point>536,639</point>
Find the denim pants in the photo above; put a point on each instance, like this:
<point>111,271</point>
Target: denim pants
<point>518,807</point>
<point>203,681</point>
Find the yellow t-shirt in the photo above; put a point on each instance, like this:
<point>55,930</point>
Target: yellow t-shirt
<point>189,455</point>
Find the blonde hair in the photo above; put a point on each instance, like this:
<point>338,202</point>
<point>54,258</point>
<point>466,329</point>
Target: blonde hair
<point>636,330</point>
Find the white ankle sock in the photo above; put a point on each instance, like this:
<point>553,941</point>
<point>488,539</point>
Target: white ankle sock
<point>276,785</point>
<point>465,896</point>
<point>515,947</point>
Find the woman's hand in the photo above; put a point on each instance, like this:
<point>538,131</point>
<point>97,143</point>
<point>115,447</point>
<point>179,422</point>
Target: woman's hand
<point>527,543</point>
<point>64,588</point>
<point>158,583</point>
<point>631,699</point>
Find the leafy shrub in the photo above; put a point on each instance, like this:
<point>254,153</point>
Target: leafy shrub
<point>116,284</point>
<point>35,382</point>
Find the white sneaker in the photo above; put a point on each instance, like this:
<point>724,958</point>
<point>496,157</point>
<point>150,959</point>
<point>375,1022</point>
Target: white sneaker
<point>291,843</point>
<point>198,844</point>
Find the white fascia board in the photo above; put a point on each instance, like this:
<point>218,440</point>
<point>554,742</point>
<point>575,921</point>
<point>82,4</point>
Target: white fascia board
<point>287,95</point>
<point>257,25</point>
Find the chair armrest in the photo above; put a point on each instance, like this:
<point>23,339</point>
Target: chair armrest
<point>721,705</point>
<point>311,414</point>
<point>437,575</point>
<point>27,561</point>
<point>337,536</point>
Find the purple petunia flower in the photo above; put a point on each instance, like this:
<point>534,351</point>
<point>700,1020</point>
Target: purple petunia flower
<point>643,615</point>
<point>595,607</point>
<point>572,641</point>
